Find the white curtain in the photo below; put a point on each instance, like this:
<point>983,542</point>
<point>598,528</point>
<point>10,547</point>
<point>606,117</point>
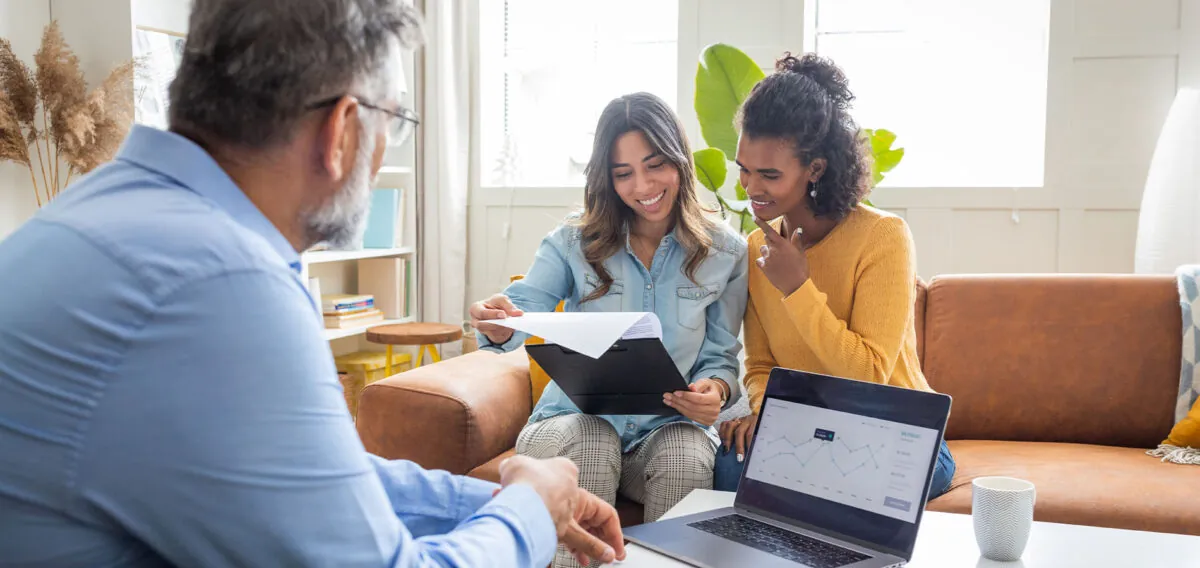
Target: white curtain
<point>446,125</point>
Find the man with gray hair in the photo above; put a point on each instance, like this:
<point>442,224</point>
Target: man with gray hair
<point>167,396</point>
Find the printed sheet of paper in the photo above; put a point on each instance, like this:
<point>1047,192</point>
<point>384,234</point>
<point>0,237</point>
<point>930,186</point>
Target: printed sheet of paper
<point>590,333</point>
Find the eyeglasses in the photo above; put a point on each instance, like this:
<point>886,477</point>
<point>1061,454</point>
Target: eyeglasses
<point>402,122</point>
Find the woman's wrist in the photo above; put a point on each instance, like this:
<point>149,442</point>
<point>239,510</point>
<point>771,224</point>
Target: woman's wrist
<point>788,295</point>
<point>724,388</point>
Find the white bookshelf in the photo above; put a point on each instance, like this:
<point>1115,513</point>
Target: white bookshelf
<point>323,256</point>
<point>337,272</point>
<point>395,170</point>
<point>332,334</point>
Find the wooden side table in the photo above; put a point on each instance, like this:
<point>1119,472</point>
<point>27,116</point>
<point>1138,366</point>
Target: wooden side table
<point>427,335</point>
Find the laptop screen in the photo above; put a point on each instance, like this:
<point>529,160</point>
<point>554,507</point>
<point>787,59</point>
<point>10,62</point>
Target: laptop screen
<point>845,457</point>
<point>868,463</point>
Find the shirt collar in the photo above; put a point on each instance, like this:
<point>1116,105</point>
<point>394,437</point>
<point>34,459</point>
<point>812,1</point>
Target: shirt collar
<point>192,167</point>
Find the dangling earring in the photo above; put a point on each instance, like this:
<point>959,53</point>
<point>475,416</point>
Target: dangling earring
<point>813,193</point>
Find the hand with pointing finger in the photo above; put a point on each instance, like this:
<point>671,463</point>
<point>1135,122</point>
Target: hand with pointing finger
<point>496,307</point>
<point>781,259</point>
<point>592,531</point>
<point>595,533</point>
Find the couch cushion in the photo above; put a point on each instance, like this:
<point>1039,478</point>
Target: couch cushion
<point>1083,484</point>
<point>1083,359</point>
<point>453,415</point>
<point>630,512</point>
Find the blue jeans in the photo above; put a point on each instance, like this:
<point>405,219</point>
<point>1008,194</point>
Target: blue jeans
<point>728,472</point>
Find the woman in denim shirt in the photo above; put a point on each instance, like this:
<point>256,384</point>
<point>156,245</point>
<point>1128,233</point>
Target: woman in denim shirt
<point>641,243</point>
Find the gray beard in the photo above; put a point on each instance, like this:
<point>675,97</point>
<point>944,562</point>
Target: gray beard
<point>342,221</point>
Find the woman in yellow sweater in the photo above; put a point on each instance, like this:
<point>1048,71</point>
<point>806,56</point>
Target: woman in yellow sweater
<point>832,282</point>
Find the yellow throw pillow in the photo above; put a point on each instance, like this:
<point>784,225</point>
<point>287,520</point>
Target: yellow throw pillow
<point>1186,434</point>
<point>538,379</point>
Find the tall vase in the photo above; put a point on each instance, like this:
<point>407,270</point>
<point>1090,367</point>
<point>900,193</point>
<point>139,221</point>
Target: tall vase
<point>1169,223</point>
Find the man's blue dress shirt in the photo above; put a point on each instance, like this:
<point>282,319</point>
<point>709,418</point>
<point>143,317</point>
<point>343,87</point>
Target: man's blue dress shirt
<point>167,396</point>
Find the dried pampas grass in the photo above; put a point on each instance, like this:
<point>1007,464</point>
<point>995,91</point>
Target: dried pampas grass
<point>76,130</point>
<point>13,146</point>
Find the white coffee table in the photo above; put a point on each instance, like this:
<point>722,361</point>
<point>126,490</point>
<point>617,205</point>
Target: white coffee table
<point>948,540</point>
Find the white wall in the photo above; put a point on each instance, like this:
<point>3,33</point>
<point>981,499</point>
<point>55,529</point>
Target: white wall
<point>1114,68</point>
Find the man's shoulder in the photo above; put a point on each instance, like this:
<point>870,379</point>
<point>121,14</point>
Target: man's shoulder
<point>163,233</point>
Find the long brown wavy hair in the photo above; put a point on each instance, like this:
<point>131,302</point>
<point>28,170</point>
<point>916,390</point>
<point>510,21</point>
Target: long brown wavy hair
<point>606,219</point>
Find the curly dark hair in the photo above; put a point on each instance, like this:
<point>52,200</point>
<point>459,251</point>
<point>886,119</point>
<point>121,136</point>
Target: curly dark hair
<point>806,101</point>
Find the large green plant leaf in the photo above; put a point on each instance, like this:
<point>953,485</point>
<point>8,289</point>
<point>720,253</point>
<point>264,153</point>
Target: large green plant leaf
<point>748,225</point>
<point>711,168</point>
<point>885,157</point>
<point>724,78</point>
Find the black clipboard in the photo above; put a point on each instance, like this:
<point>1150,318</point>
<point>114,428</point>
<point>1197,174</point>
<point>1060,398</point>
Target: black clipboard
<point>629,378</point>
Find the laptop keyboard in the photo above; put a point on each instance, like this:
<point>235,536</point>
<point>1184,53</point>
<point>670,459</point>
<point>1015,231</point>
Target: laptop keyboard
<point>776,541</point>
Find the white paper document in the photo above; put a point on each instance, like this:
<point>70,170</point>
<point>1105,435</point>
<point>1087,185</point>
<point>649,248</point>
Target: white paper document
<point>590,333</point>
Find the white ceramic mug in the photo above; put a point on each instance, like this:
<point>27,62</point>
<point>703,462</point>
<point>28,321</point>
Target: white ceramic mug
<point>1002,508</point>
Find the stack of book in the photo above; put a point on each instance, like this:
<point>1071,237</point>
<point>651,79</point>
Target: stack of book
<point>344,311</point>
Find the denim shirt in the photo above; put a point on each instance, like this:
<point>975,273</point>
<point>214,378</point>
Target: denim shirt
<point>700,319</point>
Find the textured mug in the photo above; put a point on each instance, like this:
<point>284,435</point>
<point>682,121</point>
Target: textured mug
<point>1002,509</point>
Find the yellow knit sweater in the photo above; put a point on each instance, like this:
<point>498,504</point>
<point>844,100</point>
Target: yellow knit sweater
<point>853,318</point>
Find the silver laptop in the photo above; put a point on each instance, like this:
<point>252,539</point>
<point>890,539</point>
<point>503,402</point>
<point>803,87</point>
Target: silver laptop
<point>837,476</point>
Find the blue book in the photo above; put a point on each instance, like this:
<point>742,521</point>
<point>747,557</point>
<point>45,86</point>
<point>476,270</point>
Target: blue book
<point>383,222</point>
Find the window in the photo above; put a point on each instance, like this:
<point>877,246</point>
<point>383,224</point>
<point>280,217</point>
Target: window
<point>962,84</point>
<point>548,68</point>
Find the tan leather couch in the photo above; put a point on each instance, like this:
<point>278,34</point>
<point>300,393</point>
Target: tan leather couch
<point>1061,380</point>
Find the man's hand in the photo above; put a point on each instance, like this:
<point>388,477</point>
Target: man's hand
<point>596,532</point>
<point>737,434</point>
<point>496,307</point>
<point>701,402</point>
<point>782,260</point>
<point>556,481</point>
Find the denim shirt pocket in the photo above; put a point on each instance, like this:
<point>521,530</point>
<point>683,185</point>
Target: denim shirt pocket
<point>609,302</point>
<point>693,301</point>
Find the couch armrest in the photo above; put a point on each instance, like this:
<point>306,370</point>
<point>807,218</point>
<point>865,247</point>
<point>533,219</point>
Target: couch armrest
<point>454,415</point>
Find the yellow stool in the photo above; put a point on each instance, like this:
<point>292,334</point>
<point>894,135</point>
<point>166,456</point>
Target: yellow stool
<point>362,368</point>
<point>427,335</point>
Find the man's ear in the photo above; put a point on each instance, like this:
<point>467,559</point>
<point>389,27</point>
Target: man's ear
<point>339,138</point>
